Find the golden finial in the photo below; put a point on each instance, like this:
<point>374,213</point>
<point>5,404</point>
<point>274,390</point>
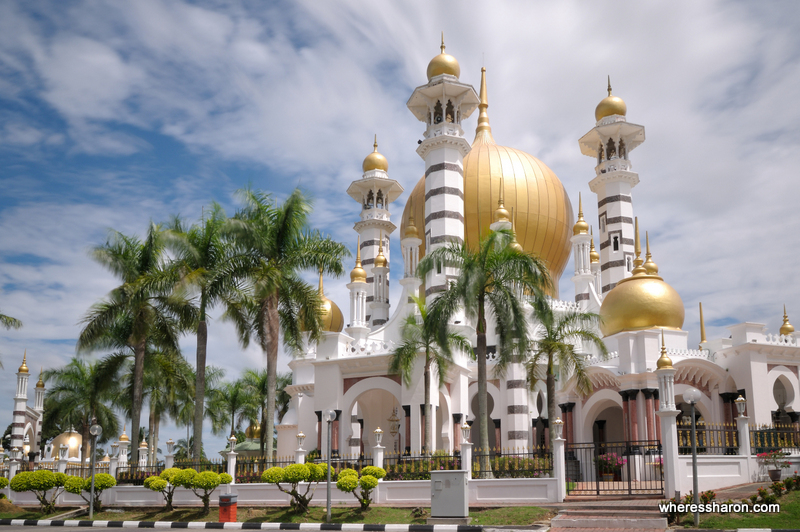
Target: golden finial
<point>484,130</point>
<point>124,437</point>
<point>649,265</point>
<point>609,84</point>
<point>637,262</point>
<point>442,47</point>
<point>411,229</point>
<point>358,275</point>
<point>514,244</point>
<point>24,367</point>
<point>787,328</point>
<point>40,384</point>
<point>580,227</point>
<point>594,256</point>
<point>664,362</point>
<point>375,144</point>
<point>702,327</point>
<point>380,260</point>
<point>501,214</point>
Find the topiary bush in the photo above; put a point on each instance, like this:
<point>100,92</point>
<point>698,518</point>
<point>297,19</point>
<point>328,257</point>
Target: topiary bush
<point>164,483</point>
<point>368,482</point>
<point>3,485</point>
<point>78,485</point>
<point>294,475</point>
<point>201,484</point>
<point>40,482</point>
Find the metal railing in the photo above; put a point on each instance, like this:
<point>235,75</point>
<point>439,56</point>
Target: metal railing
<point>84,471</point>
<point>135,474</point>
<point>614,468</point>
<point>520,462</point>
<point>338,463</point>
<point>250,470</point>
<point>401,466</point>
<point>765,438</point>
<point>712,438</point>
<point>217,466</point>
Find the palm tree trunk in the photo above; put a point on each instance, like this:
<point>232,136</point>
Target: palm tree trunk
<point>551,400</point>
<point>136,407</point>
<point>428,424</point>
<point>483,415</point>
<point>200,384</point>
<point>155,439</point>
<point>233,421</point>
<point>86,442</point>
<point>151,424</point>
<point>271,327</point>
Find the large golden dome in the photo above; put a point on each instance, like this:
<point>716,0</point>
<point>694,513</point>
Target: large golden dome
<point>73,442</point>
<point>642,301</point>
<point>253,431</point>
<point>541,208</point>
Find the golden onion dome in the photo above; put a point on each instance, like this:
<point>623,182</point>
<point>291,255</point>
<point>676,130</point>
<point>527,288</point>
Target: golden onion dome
<point>124,437</point>
<point>580,227</point>
<point>641,301</point>
<point>24,367</point>
<point>787,328</point>
<point>375,160</point>
<point>358,274</point>
<point>73,442</point>
<point>411,230</point>
<point>594,256</point>
<point>330,314</point>
<point>663,362</point>
<point>443,64</point>
<point>610,105</point>
<point>380,260</point>
<point>253,432</point>
<point>40,384</point>
<point>540,202</point>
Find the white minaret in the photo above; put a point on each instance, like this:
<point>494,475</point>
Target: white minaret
<point>379,307</point>
<point>411,242</point>
<point>20,405</point>
<point>581,248</point>
<point>38,406</point>
<point>358,327</point>
<point>375,191</point>
<point>442,105</point>
<point>610,142</point>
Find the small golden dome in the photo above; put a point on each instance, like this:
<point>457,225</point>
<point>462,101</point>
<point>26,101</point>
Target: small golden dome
<point>253,432</point>
<point>124,436</point>
<point>411,230</point>
<point>580,227</point>
<point>443,64</point>
<point>610,105</point>
<point>594,256</point>
<point>375,160</point>
<point>787,328</point>
<point>640,302</point>
<point>501,214</point>
<point>358,275</point>
<point>40,384</point>
<point>514,244</point>
<point>663,362</point>
<point>331,315</point>
<point>24,367</point>
<point>143,445</point>
<point>380,260</point>
<point>650,266</point>
<point>106,458</point>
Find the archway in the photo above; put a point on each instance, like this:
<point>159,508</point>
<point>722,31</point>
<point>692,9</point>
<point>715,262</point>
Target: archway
<point>373,400</point>
<point>607,425</point>
<point>476,427</point>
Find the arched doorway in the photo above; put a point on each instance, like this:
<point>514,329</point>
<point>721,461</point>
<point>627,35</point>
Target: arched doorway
<point>476,427</point>
<point>607,426</point>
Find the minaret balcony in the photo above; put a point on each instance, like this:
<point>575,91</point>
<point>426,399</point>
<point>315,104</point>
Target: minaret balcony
<point>614,165</point>
<point>375,214</point>
<point>451,129</point>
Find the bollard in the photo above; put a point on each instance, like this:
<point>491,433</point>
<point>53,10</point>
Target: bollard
<point>227,508</point>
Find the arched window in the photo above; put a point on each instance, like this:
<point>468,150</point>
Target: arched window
<point>601,153</point>
<point>611,149</point>
<point>623,153</point>
<point>370,200</point>
<point>379,200</point>
<point>615,243</point>
<point>437,113</point>
<point>451,112</point>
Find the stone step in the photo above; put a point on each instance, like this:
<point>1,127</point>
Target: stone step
<point>606,511</point>
<point>605,521</point>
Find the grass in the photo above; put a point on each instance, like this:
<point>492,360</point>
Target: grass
<point>789,516</point>
<point>517,515</point>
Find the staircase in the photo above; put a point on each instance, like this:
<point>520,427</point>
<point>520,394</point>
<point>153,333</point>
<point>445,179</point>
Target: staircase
<point>604,516</point>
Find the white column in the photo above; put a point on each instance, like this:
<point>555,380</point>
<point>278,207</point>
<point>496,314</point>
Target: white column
<point>742,423</point>
<point>123,453</point>
<point>668,415</point>
<point>560,468</point>
<point>466,458</point>
<point>377,455</point>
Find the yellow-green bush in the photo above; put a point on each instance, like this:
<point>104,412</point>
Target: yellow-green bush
<point>40,482</point>
<point>374,471</point>
<point>347,483</point>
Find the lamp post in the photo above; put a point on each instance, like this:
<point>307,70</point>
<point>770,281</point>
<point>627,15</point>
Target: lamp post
<point>741,404</point>
<point>300,439</point>
<point>691,396</point>
<point>95,430</point>
<point>330,415</point>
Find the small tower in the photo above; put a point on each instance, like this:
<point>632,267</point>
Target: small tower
<point>38,406</point>
<point>411,242</point>
<point>374,191</point>
<point>358,327</point>
<point>703,342</point>
<point>610,143</point>
<point>379,307</point>
<point>581,249</point>
<point>442,105</point>
<point>594,260</point>
<point>20,404</point>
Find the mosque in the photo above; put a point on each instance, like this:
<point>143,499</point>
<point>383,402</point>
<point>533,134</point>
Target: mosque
<point>465,190</point>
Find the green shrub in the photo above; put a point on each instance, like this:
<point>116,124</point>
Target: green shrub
<point>225,478</point>
<point>40,482</point>
<point>347,483</point>
<point>319,472</point>
<point>3,483</point>
<point>294,475</point>
<point>374,471</point>
<point>78,485</point>
<point>368,482</point>
<point>348,471</point>
<point>201,484</point>
<point>157,483</point>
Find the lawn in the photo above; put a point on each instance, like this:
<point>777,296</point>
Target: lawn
<point>789,517</point>
<point>517,515</point>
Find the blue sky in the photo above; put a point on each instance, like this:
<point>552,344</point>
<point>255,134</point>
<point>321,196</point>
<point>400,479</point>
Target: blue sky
<point>113,114</point>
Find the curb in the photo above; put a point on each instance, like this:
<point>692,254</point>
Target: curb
<point>344,527</point>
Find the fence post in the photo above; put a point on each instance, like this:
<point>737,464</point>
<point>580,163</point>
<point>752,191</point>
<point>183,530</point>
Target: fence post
<point>232,458</point>
<point>300,456</point>
<point>742,423</point>
<point>466,458</point>
<point>13,465</point>
<point>560,465</point>
<point>377,455</point>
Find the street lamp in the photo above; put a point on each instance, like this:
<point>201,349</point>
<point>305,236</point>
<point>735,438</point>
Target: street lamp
<point>691,396</point>
<point>300,439</point>
<point>465,430</point>
<point>330,416</point>
<point>115,449</point>
<point>741,404</point>
<point>170,446</point>
<point>558,427</point>
<point>378,436</point>
<point>95,430</point>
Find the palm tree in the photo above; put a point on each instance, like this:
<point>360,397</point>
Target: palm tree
<point>185,404</point>
<point>235,399</point>
<point>282,398</point>
<point>281,304</point>
<point>422,337</point>
<point>554,350</point>
<point>257,382</point>
<point>144,308</point>
<point>490,283</point>
<point>9,323</point>
<point>209,266</point>
<point>84,391</point>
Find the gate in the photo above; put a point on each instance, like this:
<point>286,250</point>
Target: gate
<point>615,468</point>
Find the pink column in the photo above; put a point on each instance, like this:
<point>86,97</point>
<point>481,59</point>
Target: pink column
<point>634,420</point>
<point>319,431</point>
<point>649,414</point>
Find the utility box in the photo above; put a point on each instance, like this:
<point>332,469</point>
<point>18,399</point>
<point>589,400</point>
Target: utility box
<point>449,494</point>
<point>227,508</point>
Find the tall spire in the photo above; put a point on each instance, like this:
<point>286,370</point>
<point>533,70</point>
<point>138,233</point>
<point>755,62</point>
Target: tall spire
<point>638,269</point>
<point>501,214</point>
<point>411,229</point>
<point>40,384</point>
<point>358,274</point>
<point>514,244</point>
<point>375,144</point>
<point>787,328</point>
<point>609,84</point>
<point>649,265</point>
<point>442,47</point>
<point>580,227</point>
<point>484,130</point>
<point>380,260</point>
<point>24,367</point>
<point>702,327</point>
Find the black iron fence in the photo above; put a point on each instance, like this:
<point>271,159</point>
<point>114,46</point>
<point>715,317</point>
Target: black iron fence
<point>84,471</point>
<point>615,468</point>
<point>250,470</point>
<point>712,438</point>
<point>356,462</point>
<point>217,466</point>
<point>765,438</point>
<point>135,474</point>
<point>522,462</point>
<point>400,466</point>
